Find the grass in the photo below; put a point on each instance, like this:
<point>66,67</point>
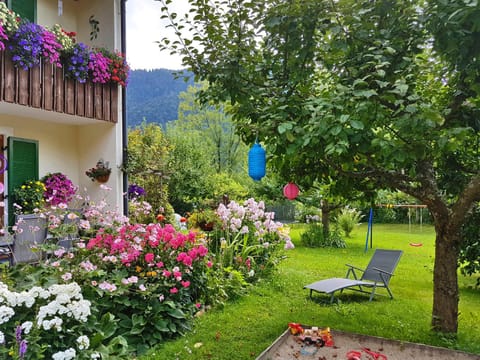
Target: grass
<point>243,329</point>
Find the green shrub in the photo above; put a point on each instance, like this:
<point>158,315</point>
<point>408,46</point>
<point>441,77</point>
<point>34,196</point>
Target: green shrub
<point>348,219</point>
<point>469,257</point>
<point>313,237</point>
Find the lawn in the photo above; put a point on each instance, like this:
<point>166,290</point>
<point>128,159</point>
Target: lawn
<point>244,328</point>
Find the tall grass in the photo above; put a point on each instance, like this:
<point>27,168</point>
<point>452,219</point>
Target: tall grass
<point>243,329</point>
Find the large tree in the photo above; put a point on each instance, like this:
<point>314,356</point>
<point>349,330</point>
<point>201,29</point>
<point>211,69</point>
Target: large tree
<point>383,92</point>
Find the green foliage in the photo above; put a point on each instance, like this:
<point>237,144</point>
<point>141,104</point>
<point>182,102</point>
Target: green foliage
<point>204,219</point>
<point>314,236</point>
<point>207,155</point>
<point>273,303</point>
<point>150,172</point>
<point>336,96</point>
<point>469,259</point>
<point>53,332</point>
<point>348,219</point>
<point>29,196</point>
<point>151,279</point>
<point>307,213</point>
<point>248,240</point>
<point>191,182</point>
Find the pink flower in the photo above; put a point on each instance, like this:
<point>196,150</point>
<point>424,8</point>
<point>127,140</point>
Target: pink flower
<point>186,283</point>
<point>149,257</point>
<point>198,305</point>
<point>159,264</point>
<point>67,276</point>
<point>209,264</point>
<point>173,290</point>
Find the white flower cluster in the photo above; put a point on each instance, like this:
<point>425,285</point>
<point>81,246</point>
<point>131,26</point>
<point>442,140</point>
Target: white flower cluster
<point>61,303</point>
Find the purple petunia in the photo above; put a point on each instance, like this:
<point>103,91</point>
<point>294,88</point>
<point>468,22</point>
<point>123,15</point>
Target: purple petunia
<point>135,191</point>
<point>26,45</point>
<point>77,62</point>
<point>59,189</point>
<point>30,43</point>
<point>99,67</point>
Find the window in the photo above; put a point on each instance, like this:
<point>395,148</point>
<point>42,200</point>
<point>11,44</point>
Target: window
<point>26,9</point>
<point>22,166</point>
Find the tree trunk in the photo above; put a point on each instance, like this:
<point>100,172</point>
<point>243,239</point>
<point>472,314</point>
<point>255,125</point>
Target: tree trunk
<point>325,218</point>
<point>445,280</point>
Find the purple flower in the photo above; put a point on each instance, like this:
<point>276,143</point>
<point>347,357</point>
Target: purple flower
<point>18,334</point>
<point>30,43</point>
<point>135,191</point>
<point>51,48</point>
<point>59,189</point>
<point>26,45</point>
<point>99,67</point>
<point>76,62</point>
<point>23,349</point>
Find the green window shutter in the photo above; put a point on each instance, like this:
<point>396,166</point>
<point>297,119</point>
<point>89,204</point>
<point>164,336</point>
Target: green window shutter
<point>26,9</point>
<point>22,166</point>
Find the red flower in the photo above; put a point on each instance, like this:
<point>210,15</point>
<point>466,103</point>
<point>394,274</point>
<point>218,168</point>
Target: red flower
<point>160,217</point>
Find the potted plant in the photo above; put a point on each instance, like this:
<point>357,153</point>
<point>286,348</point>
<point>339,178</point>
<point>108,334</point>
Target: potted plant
<point>101,172</point>
<point>29,196</point>
<point>30,223</point>
<point>59,189</point>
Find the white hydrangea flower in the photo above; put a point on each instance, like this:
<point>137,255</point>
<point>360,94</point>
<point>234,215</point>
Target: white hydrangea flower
<point>83,342</point>
<point>2,338</point>
<point>80,310</point>
<point>27,326</point>
<point>6,313</point>
<point>65,355</point>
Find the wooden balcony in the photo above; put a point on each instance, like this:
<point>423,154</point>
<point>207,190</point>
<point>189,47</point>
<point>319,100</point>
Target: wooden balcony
<point>45,87</point>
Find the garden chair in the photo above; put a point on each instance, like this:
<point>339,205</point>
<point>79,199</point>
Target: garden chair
<point>377,274</point>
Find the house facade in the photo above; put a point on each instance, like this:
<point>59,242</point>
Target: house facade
<point>51,123</point>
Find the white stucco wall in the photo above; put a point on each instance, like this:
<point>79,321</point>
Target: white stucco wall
<point>72,149</point>
<point>75,17</point>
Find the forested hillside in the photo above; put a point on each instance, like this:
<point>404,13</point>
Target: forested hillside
<point>153,95</point>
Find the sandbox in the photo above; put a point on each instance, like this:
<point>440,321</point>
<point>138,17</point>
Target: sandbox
<point>291,347</point>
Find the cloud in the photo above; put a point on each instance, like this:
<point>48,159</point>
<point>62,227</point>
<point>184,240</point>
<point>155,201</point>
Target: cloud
<point>144,28</point>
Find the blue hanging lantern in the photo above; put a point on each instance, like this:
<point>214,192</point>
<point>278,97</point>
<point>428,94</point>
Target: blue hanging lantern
<point>256,162</point>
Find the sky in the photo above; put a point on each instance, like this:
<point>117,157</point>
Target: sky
<point>144,27</point>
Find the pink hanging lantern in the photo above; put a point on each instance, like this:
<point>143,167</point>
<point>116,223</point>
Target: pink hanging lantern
<point>291,191</point>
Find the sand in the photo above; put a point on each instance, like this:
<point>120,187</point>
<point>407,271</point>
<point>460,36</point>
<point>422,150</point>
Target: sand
<point>290,347</point>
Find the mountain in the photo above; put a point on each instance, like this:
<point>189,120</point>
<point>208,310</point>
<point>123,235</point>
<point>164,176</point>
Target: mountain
<point>153,95</point>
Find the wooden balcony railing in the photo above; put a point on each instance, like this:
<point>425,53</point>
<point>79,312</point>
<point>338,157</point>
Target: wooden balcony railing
<point>45,87</point>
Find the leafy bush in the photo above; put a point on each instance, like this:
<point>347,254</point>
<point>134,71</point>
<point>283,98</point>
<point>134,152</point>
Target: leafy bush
<point>314,237</point>
<point>469,258</point>
<point>249,240</point>
<point>55,322</point>
<point>348,219</point>
<point>150,279</point>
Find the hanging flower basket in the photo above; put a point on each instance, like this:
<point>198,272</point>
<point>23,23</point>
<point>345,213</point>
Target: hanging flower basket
<point>102,178</point>
<point>101,172</point>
